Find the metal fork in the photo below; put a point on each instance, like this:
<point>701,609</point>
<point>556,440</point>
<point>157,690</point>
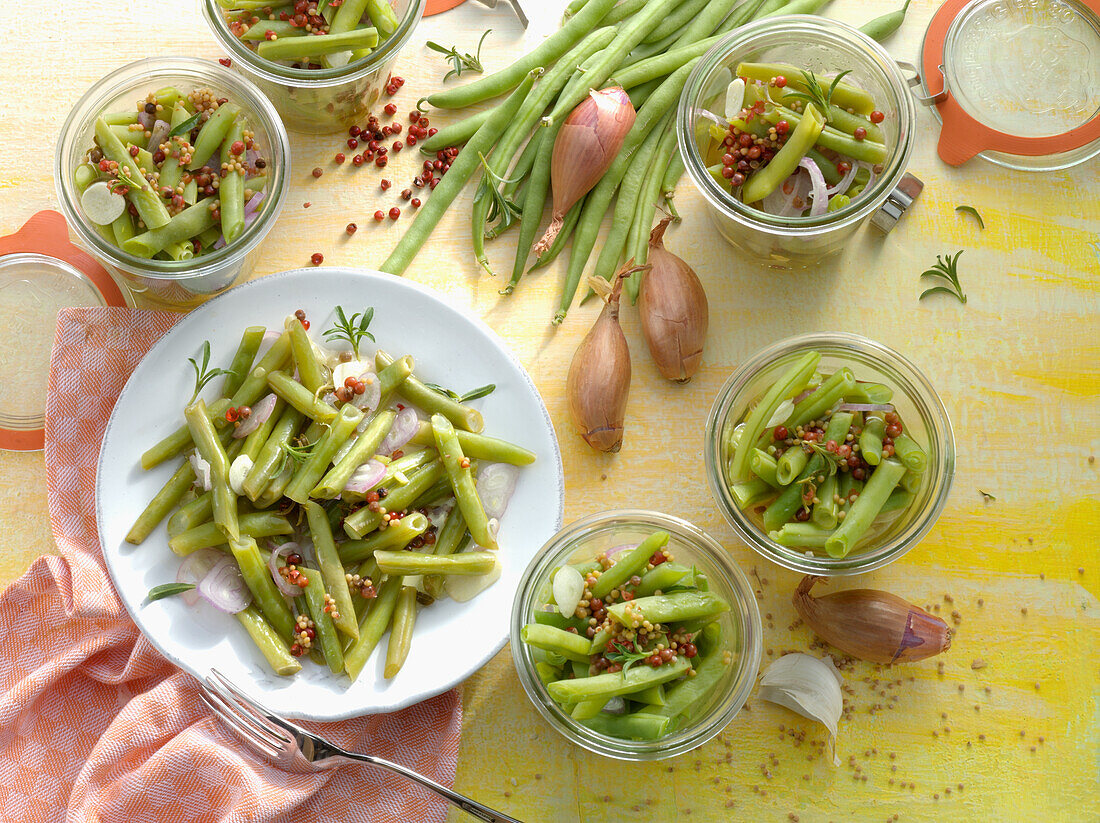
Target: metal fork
<point>292,748</point>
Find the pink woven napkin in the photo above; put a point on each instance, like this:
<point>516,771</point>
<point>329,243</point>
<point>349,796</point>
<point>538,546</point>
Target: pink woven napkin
<point>94,723</point>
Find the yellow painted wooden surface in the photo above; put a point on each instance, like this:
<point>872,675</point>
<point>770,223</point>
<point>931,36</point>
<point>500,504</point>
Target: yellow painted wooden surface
<point>1016,368</point>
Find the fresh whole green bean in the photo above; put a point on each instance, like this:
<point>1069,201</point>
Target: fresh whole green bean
<point>455,134</point>
<point>882,27</point>
<point>547,53</point>
<point>461,169</point>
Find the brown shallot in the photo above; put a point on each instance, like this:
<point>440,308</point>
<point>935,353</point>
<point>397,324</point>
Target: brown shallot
<point>599,376</point>
<point>872,625</point>
<point>587,144</point>
<point>673,309</point>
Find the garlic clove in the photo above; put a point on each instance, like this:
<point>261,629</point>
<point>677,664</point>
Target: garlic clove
<point>808,686</point>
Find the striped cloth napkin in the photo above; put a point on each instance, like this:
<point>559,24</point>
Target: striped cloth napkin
<point>94,723</point>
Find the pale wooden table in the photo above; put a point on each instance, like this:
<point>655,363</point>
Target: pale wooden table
<point>1016,367</point>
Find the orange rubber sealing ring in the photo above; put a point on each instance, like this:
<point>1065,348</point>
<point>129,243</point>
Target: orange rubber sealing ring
<point>436,6</point>
<point>962,136</point>
<point>47,233</point>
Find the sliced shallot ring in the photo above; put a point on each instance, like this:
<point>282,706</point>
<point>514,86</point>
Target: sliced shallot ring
<point>285,586</point>
<point>201,469</point>
<point>260,412</point>
<point>224,587</point>
<point>496,483</point>
<point>405,425</point>
<point>611,553</point>
<point>193,569</point>
<point>819,190</point>
<point>366,477</point>
<point>845,182</point>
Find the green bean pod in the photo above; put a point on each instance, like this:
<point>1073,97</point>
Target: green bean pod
<point>320,456</point>
<point>332,569</point>
<point>401,631</point>
<point>395,536</point>
<point>457,466</point>
<point>323,624</point>
<point>256,524</point>
<point>163,502</point>
<point>269,643</point>
<point>373,626</point>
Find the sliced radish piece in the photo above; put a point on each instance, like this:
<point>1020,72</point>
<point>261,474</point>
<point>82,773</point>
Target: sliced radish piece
<point>238,471</point>
<point>568,590</point>
<point>224,587</point>
<point>101,205</point>
<point>260,412</point>
<point>495,484</point>
<point>194,568</point>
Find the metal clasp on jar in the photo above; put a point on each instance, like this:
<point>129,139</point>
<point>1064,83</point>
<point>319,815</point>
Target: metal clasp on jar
<point>897,202</point>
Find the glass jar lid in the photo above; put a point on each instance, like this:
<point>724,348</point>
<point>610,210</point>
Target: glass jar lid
<point>1016,82</point>
<point>33,289</point>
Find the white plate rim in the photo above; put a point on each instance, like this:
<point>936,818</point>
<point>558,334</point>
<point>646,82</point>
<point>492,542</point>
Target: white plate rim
<point>181,328</point>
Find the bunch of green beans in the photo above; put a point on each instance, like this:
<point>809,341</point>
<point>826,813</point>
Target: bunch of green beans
<point>289,476</point>
<point>641,45</point>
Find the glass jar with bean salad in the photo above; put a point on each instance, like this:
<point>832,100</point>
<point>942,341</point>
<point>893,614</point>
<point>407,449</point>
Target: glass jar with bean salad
<point>635,635</point>
<point>795,129</point>
<point>829,454</point>
<point>323,65</point>
<point>172,170</point>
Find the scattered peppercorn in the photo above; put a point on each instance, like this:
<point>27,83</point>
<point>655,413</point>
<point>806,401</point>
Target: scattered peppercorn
<point>317,258</point>
<point>395,213</point>
<point>318,171</point>
<point>351,228</point>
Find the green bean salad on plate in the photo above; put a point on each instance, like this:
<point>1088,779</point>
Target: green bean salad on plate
<point>176,177</point>
<point>822,462</point>
<point>329,494</point>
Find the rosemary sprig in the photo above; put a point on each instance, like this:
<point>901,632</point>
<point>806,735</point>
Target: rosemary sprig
<point>168,590</point>
<point>815,94</point>
<point>617,654</point>
<point>204,374</point>
<point>462,62</point>
<point>473,394</point>
<point>947,271</point>
<point>186,126</point>
<point>502,208</point>
<point>973,212</point>
<point>353,330</point>
<point>124,179</point>
<point>298,452</point>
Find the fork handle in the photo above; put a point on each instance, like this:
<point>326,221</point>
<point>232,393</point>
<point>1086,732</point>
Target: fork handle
<point>467,804</point>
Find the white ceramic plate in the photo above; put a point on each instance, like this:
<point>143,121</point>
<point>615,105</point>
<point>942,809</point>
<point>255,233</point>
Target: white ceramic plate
<point>452,640</point>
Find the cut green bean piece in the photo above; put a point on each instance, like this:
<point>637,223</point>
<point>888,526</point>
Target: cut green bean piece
<point>827,395</point>
<point>861,514</point>
<point>320,456</point>
<point>668,608</point>
<point>395,536</point>
<point>629,564</point>
<point>269,643</point>
<point>332,569</point>
<point>870,439</point>
<point>790,383</point>
<point>783,508</point>
<point>802,138</point>
<point>364,448</point>
<point>433,402</point>
<point>766,467</point>
<point>212,451</point>
<point>448,541</point>
<point>363,521</point>
<point>256,524</point>
<point>163,502</point>
<point>634,726</point>
<point>265,593</point>
<point>272,455</point>
<point>322,620</point>
<point>373,626</point>
<point>301,398</point>
<point>149,206</point>
<point>457,466</point>
<point>613,685</point>
<point>406,562</point>
<point>401,631</point>
<point>662,578</point>
<point>683,696</point>
<point>212,134</point>
<point>750,492</point>
<point>802,535</point>
<point>191,514</point>
<point>241,364</point>
<point>844,95</point>
<point>910,454</point>
<point>569,645</point>
<point>479,446</point>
